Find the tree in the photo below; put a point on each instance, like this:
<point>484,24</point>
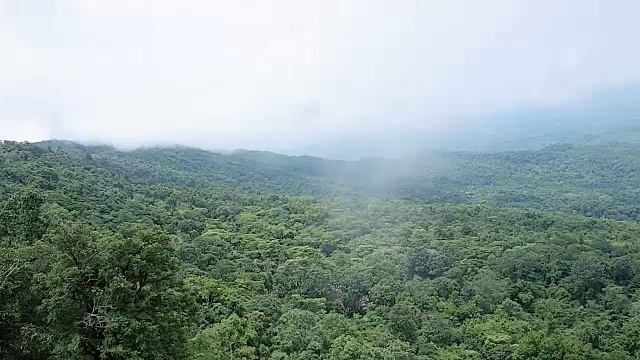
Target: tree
<point>20,218</point>
<point>233,338</point>
<point>115,298</point>
<point>405,321</point>
<point>589,276</point>
<point>295,332</point>
<point>537,346</point>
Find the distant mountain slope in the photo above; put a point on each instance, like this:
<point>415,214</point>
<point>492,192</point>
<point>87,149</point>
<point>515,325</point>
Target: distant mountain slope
<point>182,166</point>
<point>600,180</point>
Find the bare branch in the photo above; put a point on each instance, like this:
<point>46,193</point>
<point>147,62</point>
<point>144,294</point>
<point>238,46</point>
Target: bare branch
<point>8,273</point>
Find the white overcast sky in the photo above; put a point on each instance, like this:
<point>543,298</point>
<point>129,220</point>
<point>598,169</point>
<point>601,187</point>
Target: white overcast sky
<point>281,73</point>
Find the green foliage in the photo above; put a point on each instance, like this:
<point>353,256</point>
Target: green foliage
<point>183,254</point>
<point>20,219</point>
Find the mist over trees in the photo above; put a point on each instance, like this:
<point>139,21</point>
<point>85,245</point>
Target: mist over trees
<point>179,253</point>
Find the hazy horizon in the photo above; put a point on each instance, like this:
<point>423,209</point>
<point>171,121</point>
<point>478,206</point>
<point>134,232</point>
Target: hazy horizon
<point>291,76</point>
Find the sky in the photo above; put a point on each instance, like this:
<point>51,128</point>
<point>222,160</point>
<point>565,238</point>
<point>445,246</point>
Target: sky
<point>283,74</point>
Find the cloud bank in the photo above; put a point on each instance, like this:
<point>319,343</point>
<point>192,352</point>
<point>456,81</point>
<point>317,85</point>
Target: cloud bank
<point>285,73</point>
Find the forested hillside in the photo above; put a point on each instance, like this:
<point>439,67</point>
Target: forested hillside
<point>178,253</point>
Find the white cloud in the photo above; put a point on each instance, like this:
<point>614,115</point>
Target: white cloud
<point>276,74</point>
<point>24,130</point>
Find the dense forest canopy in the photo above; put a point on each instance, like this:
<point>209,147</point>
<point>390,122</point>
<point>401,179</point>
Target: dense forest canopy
<point>179,253</point>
